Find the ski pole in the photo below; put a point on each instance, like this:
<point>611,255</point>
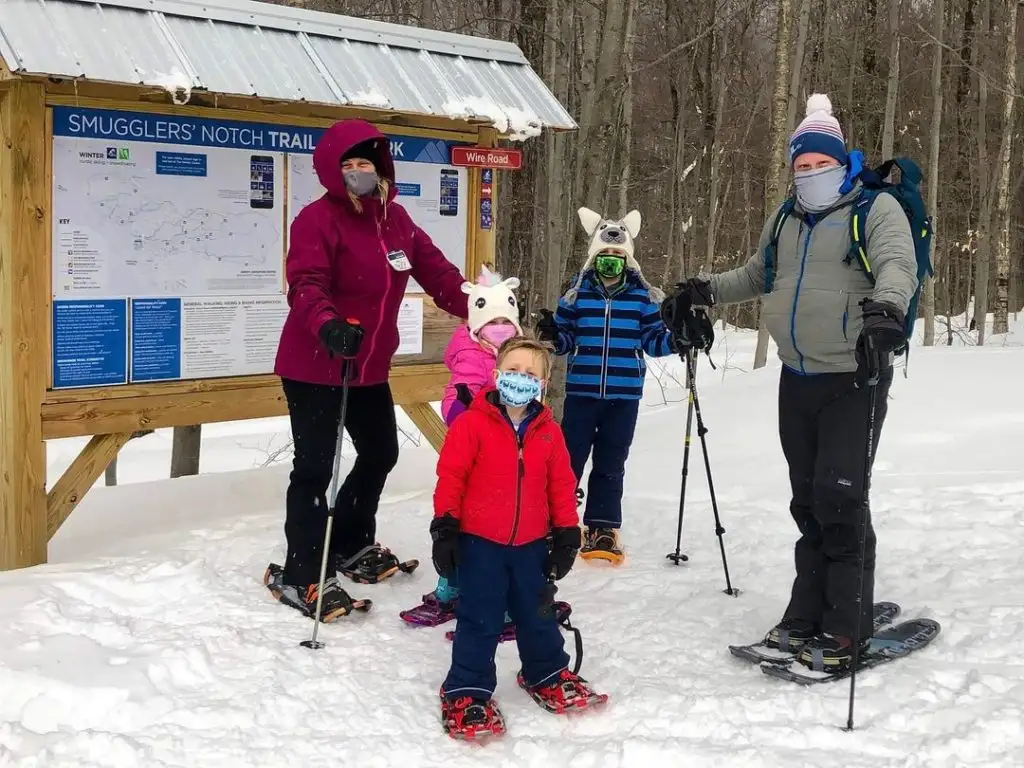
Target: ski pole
<point>346,368</point>
<point>869,449</point>
<point>689,356</point>
<point>701,432</point>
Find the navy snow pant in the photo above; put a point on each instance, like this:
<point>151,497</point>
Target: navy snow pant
<point>607,427</point>
<point>823,427</point>
<point>492,578</point>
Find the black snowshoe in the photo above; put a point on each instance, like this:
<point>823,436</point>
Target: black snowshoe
<point>336,601</point>
<point>373,564</point>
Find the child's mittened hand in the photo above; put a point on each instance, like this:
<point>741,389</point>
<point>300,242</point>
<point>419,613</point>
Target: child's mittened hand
<point>546,328</point>
<point>565,543</point>
<point>463,395</point>
<point>445,533</point>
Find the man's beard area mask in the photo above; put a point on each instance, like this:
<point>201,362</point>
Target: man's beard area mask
<point>819,190</point>
<point>361,183</point>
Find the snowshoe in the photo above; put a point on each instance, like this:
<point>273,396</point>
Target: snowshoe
<point>373,564</point>
<point>826,652</point>
<point>602,544</point>
<point>468,718</point>
<point>431,612</point>
<point>568,693</point>
<point>790,635</point>
<point>335,604</point>
<point>508,633</point>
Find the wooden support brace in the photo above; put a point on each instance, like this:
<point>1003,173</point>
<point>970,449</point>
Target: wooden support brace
<point>77,479</point>
<point>428,422</point>
<point>24,303</point>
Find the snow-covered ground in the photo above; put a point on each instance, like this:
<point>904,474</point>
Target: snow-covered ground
<point>150,641</point>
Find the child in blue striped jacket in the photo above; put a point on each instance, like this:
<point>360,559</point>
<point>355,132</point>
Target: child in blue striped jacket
<point>606,322</point>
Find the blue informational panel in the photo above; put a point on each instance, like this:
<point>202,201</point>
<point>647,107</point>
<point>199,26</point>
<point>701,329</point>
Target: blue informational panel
<point>90,343</point>
<point>156,339</point>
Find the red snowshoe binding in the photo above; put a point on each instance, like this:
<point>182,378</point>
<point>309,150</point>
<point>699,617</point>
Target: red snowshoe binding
<point>468,718</point>
<point>568,692</point>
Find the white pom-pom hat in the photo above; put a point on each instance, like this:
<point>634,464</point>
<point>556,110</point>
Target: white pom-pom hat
<point>818,132</point>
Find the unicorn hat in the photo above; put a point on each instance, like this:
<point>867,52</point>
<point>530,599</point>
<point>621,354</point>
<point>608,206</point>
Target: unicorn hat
<point>491,297</point>
<point>611,236</point>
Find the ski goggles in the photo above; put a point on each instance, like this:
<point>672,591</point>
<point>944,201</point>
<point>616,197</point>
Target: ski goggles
<point>609,264</point>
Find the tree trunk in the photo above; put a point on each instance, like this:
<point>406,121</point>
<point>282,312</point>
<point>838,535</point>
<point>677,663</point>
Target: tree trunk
<point>893,81</point>
<point>774,188</point>
<point>426,14</point>
<point>1002,212</point>
<point>185,451</point>
<point>798,64</point>
<point>928,294</point>
<point>983,248</point>
<point>558,58</point>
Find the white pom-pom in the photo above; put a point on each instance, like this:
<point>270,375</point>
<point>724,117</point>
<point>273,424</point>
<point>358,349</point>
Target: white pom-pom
<point>819,102</point>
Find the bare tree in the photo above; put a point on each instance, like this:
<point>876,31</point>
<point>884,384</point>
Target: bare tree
<point>774,189</point>
<point>1002,249</point>
<point>928,293</point>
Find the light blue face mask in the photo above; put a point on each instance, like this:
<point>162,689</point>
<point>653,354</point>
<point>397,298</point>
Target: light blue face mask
<point>517,389</point>
<point>820,189</point>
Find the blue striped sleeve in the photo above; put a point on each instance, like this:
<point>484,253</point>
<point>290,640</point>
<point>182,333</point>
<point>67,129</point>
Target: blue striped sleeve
<point>655,338</point>
<point>565,318</point>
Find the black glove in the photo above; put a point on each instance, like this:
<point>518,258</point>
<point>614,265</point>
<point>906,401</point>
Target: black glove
<point>683,314</point>
<point>547,330</point>
<point>697,291</point>
<point>463,395</point>
<point>342,339</point>
<point>565,543</point>
<point>883,333</point>
<point>444,531</point>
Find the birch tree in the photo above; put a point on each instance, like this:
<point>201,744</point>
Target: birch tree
<point>1002,212</point>
<point>928,292</point>
<point>774,189</point>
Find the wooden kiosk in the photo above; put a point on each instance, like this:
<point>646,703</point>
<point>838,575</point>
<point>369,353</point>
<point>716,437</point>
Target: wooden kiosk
<point>114,126</point>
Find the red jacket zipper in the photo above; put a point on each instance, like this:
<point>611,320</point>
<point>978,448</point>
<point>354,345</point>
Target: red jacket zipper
<point>520,471</point>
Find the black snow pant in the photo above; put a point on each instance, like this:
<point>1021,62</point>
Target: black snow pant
<point>823,427</point>
<point>315,412</point>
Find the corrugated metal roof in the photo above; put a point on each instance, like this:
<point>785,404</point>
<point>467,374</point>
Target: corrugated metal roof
<point>275,52</point>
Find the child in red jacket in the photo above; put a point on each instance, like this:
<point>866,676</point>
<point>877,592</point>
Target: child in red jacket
<point>504,486</point>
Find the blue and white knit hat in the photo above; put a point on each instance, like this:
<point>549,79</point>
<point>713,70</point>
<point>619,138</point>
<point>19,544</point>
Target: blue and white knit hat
<point>818,132</point>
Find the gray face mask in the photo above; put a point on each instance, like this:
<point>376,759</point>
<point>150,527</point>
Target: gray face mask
<point>818,190</point>
<point>361,183</point>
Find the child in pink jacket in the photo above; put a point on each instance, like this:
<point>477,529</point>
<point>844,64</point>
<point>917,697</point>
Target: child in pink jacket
<point>471,353</point>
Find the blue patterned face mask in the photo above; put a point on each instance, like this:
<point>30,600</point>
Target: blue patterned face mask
<point>517,389</point>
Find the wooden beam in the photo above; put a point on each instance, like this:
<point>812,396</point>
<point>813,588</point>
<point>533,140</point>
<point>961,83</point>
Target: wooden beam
<point>428,422</point>
<point>24,266</point>
<point>179,406</point>
<point>77,479</point>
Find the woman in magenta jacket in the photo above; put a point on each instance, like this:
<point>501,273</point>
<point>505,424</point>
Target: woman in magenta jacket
<point>350,255</point>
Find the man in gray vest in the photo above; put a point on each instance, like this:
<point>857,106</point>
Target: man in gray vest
<point>834,332</point>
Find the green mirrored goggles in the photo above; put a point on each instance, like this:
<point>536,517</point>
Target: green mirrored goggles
<point>609,265</point>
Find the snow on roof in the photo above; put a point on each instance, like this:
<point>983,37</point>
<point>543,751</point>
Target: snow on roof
<point>275,52</point>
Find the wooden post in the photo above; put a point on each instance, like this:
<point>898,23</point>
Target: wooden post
<point>486,242</point>
<point>24,303</point>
